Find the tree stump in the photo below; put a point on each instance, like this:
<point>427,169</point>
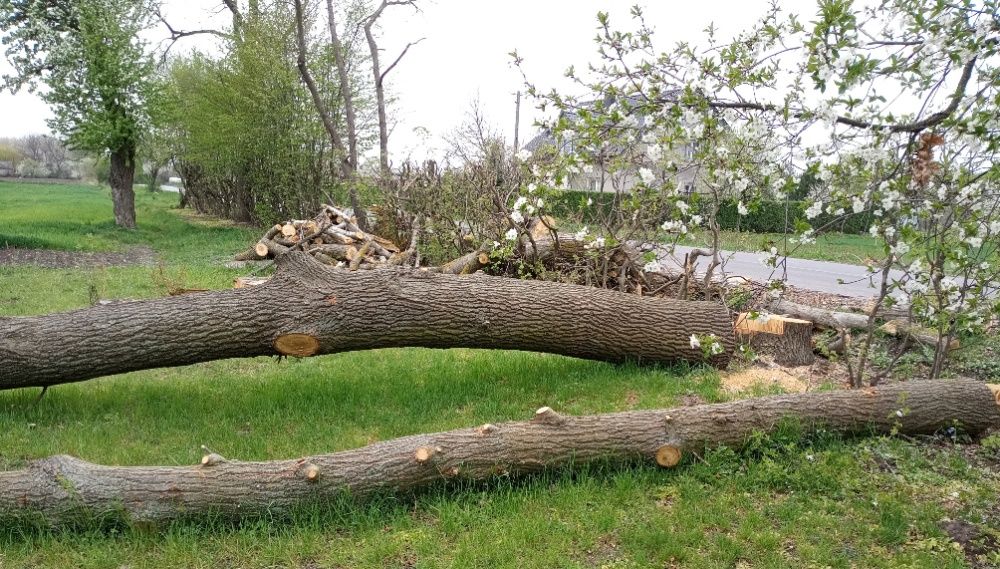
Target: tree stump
<point>788,340</point>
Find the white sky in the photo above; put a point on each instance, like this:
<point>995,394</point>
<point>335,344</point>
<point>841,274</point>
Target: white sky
<point>465,54</point>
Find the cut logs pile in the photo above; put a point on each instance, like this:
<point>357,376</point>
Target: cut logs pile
<point>332,238</point>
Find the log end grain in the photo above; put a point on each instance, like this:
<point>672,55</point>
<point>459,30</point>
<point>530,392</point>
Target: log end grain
<point>668,456</point>
<point>995,388</point>
<point>299,345</point>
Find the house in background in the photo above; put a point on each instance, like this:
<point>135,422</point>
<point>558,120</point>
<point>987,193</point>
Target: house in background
<point>7,169</point>
<point>596,179</point>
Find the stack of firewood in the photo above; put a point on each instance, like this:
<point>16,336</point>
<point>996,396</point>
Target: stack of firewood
<point>332,237</point>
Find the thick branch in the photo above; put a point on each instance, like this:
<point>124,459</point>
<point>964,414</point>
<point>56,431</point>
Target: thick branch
<point>63,489</point>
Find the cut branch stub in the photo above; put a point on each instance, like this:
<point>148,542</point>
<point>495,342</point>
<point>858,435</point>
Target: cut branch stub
<point>547,416</point>
<point>424,454</point>
<point>299,345</point>
<point>668,456</point>
<point>212,459</point>
<point>311,472</point>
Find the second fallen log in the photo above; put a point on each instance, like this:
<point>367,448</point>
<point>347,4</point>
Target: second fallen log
<point>63,489</point>
<point>340,310</point>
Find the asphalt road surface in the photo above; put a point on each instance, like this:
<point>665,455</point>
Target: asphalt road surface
<point>821,276</point>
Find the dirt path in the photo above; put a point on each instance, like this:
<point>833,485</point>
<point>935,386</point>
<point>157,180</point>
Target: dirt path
<point>52,259</point>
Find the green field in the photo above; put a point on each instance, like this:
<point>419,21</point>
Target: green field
<point>786,501</point>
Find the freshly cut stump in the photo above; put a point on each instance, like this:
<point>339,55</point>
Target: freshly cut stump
<point>788,340</point>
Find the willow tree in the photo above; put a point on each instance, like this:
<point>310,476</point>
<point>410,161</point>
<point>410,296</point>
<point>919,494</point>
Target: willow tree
<point>97,75</point>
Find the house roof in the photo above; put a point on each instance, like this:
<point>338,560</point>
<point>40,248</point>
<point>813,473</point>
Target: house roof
<point>545,138</point>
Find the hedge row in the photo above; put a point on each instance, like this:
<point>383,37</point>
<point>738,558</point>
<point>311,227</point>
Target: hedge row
<point>770,216</point>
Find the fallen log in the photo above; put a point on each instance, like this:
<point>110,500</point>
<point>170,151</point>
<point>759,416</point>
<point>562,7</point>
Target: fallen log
<point>820,316</point>
<point>63,489</point>
<point>849,320</point>
<point>356,310</point>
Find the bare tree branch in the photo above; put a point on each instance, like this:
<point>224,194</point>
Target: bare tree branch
<point>911,127</point>
<point>393,64</point>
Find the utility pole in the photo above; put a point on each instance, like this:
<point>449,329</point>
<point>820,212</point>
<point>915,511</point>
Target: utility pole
<point>517,121</point>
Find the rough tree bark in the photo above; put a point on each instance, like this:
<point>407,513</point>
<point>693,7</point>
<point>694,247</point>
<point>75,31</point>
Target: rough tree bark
<point>61,488</point>
<point>121,177</point>
<point>308,308</point>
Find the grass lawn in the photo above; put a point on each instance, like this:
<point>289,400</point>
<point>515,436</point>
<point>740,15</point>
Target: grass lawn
<point>785,501</point>
<point>837,247</point>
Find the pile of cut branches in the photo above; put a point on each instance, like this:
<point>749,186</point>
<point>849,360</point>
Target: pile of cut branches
<point>540,251</point>
<point>332,237</point>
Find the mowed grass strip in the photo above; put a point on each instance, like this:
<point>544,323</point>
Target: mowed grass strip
<point>790,500</point>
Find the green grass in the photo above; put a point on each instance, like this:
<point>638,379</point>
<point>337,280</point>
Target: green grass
<point>836,247</point>
<point>786,501</point>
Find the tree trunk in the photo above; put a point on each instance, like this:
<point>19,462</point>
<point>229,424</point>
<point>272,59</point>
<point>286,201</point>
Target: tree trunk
<point>62,489</point>
<point>121,177</point>
<point>308,308</point>
<point>345,88</point>
<point>383,123</point>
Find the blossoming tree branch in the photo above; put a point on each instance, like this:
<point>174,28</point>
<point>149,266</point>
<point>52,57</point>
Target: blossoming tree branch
<point>890,110</point>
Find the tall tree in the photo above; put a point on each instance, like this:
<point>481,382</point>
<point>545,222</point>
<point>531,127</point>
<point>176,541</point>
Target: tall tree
<point>97,73</point>
<point>379,76</point>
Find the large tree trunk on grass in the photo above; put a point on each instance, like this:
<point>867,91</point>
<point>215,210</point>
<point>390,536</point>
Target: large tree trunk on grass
<point>63,489</point>
<point>121,177</point>
<point>309,308</point>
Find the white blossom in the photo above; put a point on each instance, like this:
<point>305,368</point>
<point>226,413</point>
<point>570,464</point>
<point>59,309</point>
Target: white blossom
<point>742,208</point>
<point>511,234</point>
<point>647,175</point>
<point>516,217</point>
<point>815,209</point>
<point>695,342</point>
<point>651,267</point>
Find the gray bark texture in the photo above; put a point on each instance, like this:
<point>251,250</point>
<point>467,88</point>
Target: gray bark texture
<point>61,489</point>
<point>308,308</point>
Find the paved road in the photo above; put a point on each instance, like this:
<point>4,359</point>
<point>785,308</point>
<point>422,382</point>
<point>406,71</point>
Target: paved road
<point>802,273</point>
<point>174,189</point>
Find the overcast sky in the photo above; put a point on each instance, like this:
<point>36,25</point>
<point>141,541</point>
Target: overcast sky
<point>465,55</point>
